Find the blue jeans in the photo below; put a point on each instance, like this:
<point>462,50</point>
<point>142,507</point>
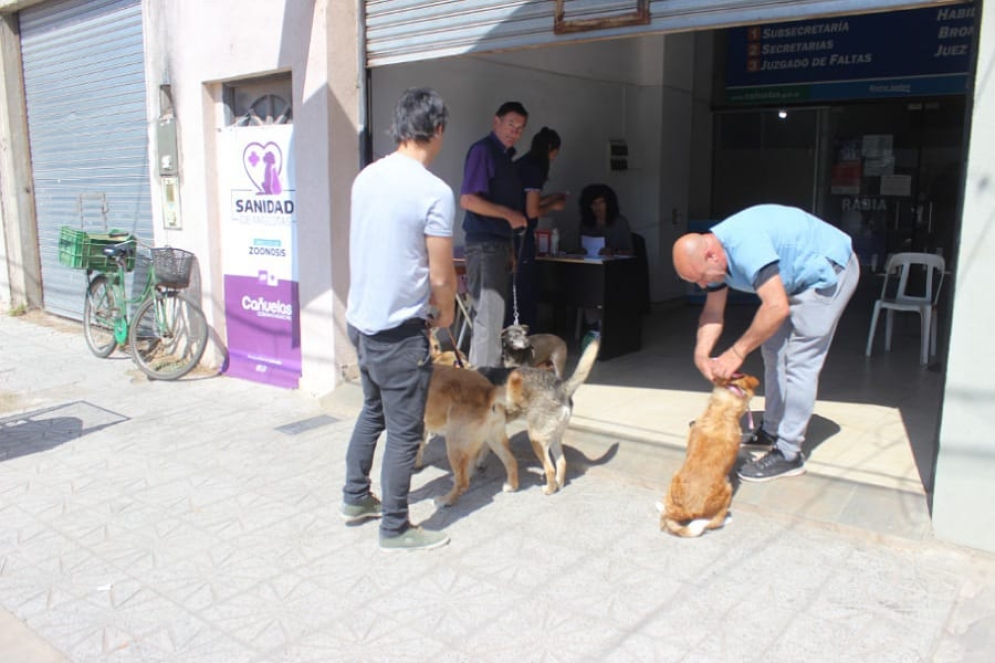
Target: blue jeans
<point>395,368</point>
<point>489,283</point>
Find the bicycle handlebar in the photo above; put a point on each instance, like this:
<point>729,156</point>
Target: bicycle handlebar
<point>120,250</point>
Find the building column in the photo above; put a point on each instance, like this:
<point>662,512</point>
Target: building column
<point>964,486</point>
<point>20,263</point>
<point>329,115</point>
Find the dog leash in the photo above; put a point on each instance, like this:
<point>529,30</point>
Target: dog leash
<point>514,270</point>
<point>459,362</point>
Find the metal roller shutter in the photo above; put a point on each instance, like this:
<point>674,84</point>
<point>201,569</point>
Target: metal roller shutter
<point>84,80</point>
<point>409,30</point>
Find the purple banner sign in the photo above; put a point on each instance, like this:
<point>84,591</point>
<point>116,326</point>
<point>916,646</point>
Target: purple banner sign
<point>259,238</point>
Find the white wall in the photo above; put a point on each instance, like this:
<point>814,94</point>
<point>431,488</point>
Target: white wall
<point>964,488</point>
<point>590,93</point>
<point>4,268</point>
<point>197,46</point>
<point>676,131</point>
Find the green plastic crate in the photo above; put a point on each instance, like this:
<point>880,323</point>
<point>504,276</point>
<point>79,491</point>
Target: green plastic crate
<point>85,250</point>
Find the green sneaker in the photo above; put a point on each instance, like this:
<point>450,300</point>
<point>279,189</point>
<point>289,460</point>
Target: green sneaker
<point>368,507</point>
<point>415,538</point>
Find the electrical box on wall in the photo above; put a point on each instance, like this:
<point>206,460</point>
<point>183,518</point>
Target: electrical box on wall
<point>618,155</point>
<point>171,203</point>
<point>169,162</point>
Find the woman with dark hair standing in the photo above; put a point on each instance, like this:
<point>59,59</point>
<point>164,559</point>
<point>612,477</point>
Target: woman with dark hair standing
<point>599,217</point>
<point>533,171</point>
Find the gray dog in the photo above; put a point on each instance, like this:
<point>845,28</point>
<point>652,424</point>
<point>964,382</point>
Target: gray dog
<point>518,348</point>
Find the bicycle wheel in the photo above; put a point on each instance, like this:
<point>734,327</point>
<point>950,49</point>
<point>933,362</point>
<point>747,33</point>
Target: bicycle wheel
<point>168,336</point>
<point>99,314</point>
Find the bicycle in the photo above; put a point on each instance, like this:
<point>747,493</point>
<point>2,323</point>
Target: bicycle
<point>167,334</point>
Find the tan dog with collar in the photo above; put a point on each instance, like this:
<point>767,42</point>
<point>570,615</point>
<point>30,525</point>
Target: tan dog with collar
<point>700,493</point>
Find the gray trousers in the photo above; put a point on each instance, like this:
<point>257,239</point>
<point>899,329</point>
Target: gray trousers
<point>489,282</point>
<point>395,368</point>
<point>794,355</point>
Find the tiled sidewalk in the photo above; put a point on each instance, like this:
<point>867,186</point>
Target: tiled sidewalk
<point>196,521</point>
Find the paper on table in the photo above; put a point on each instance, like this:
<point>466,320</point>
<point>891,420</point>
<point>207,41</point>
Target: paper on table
<point>592,245</point>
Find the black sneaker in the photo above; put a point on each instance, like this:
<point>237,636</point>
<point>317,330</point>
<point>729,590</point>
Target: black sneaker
<point>760,439</point>
<point>772,465</point>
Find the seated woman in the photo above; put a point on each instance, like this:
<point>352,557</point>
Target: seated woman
<point>600,217</point>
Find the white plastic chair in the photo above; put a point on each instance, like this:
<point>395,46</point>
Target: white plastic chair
<point>896,296</point>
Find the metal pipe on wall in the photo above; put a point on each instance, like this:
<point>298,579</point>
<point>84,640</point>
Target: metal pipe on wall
<point>363,83</point>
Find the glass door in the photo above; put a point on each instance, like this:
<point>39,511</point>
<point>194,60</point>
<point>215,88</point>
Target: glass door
<point>765,156</point>
<point>893,175</point>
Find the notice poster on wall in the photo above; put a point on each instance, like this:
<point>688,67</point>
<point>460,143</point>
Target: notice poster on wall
<point>846,178</point>
<point>896,185</point>
<point>876,146</point>
<point>259,257</point>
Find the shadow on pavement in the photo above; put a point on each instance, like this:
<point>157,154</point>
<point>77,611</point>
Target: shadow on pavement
<point>40,430</point>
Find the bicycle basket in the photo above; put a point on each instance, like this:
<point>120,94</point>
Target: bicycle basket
<point>172,267</point>
<point>85,250</point>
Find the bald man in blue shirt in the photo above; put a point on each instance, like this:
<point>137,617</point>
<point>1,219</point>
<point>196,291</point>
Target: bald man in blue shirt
<point>804,271</point>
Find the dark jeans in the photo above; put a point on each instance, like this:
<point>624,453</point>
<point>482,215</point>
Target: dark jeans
<point>395,368</point>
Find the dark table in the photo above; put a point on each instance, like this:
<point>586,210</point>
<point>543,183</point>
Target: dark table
<point>610,284</point>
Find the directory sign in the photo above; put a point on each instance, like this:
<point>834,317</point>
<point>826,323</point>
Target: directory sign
<point>920,52</point>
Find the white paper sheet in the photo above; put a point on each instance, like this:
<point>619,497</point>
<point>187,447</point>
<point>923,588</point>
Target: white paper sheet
<point>592,245</point>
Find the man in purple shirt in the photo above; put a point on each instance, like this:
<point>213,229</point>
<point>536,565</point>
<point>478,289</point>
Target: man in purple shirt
<point>494,200</point>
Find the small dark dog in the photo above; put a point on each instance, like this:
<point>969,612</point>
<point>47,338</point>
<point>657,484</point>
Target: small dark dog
<point>518,348</point>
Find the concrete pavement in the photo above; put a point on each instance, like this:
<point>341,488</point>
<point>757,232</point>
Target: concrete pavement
<point>197,521</point>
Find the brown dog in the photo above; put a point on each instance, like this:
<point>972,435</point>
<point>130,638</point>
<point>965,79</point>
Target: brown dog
<point>519,348</point>
<point>469,411</point>
<point>700,492</point>
<point>442,357</point>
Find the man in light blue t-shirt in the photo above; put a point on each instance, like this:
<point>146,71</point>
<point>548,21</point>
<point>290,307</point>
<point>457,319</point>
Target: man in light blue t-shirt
<point>400,270</point>
<point>804,271</point>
